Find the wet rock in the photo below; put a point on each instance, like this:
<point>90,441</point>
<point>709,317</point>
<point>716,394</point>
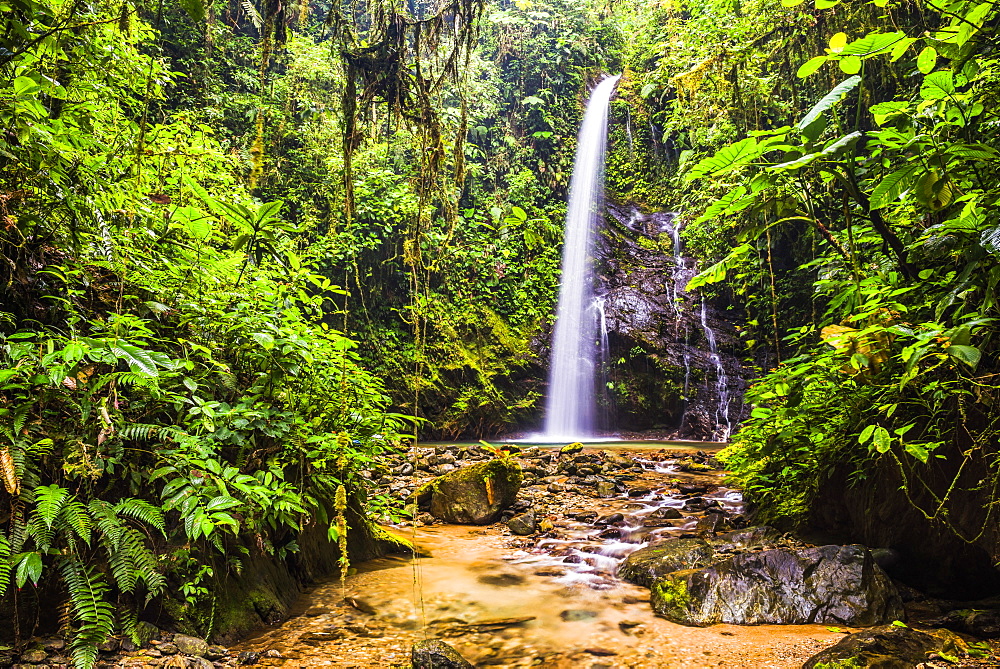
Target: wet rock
<point>828,585</point>
<point>887,647</point>
<point>571,449</point>
<point>248,657</point>
<point>610,519</point>
<point>750,537</point>
<point>575,615</point>
<point>474,495</point>
<point>585,517</point>
<point>54,645</point>
<point>34,656</point>
<point>169,648</point>
<point>667,513</point>
<point>606,489</point>
<point>216,653</point>
<point>711,523</point>
<point>647,565</point>
<point>190,645</point>
<point>692,488</point>
<point>522,525</point>
<point>980,623</point>
<point>885,557</point>
<point>436,654</point>
<point>689,465</point>
<point>639,492</point>
<point>554,487</point>
<point>572,559</point>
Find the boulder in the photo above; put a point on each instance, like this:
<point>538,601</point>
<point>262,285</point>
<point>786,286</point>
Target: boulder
<point>436,654</point>
<point>474,495</point>
<point>523,524</point>
<point>830,585</point>
<point>648,565</point>
<point>571,449</point>
<point>887,647</point>
<point>190,645</point>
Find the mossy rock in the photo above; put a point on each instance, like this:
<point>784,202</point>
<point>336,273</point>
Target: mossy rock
<point>476,495</point>
<point>571,449</point>
<point>650,564</point>
<point>887,647</point>
<point>839,585</point>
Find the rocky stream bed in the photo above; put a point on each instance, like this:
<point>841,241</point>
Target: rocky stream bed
<point>591,558</point>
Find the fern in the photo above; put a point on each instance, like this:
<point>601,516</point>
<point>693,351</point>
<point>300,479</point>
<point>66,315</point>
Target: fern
<point>74,515</point>
<point>49,499</point>
<point>141,510</point>
<point>5,564</point>
<point>87,591</point>
<point>147,432</point>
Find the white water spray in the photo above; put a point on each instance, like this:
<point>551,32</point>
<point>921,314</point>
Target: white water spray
<point>570,408</point>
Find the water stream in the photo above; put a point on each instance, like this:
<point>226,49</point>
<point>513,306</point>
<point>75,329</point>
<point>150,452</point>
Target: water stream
<point>570,408</point>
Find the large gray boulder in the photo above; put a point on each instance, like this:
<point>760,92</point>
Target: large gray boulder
<point>474,495</point>
<point>830,584</point>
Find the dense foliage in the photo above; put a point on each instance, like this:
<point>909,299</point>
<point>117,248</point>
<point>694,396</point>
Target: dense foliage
<point>245,247</point>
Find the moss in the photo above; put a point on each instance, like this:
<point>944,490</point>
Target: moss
<point>671,594</point>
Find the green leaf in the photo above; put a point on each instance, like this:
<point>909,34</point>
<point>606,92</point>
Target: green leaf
<point>718,271</point>
<point>49,499</point>
<point>881,440</point>
<point>900,48</point>
<point>265,340</point>
<point>866,434</point>
<point>29,567</point>
<point>828,100</point>
<point>872,44</point>
<point>850,65</point>
<point>221,503</point>
<point>893,185</point>
<point>927,59</point>
<point>726,159</point>
<point>970,355</point>
<point>810,66</point>
<point>917,451</point>
<point>649,88</point>
<point>938,85</point>
<point>826,4</point>
<point>722,204</point>
<point>138,360</point>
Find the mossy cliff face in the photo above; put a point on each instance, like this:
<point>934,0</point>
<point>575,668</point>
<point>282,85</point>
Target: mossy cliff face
<point>474,495</point>
<point>831,584</point>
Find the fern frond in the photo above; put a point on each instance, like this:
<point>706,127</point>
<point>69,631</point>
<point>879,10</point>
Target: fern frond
<point>141,510</point>
<point>49,500</point>
<point>148,432</point>
<point>5,564</point>
<point>95,616</point>
<point>40,531</point>
<point>74,515</point>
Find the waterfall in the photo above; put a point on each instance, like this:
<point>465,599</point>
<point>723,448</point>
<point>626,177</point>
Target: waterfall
<point>721,381</point>
<point>570,407</point>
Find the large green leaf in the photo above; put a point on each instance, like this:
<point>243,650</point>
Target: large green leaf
<point>138,360</point>
<point>722,204</point>
<point>938,85</point>
<point>893,185</point>
<point>726,159</point>
<point>828,100</point>
<point>872,44</point>
<point>970,355</point>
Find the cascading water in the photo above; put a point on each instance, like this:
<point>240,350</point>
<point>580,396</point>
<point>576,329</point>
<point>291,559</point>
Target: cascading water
<point>721,380</point>
<point>570,407</point>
